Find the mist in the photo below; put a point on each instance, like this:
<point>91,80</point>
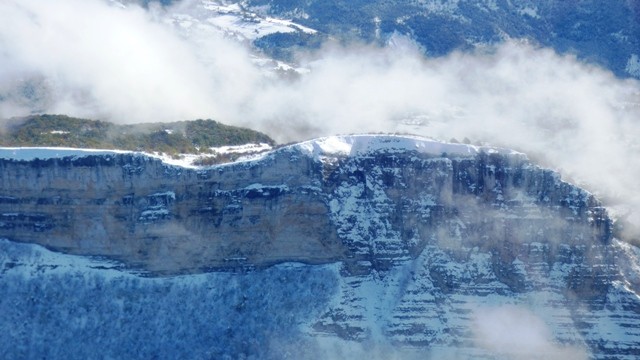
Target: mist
<point>99,59</point>
<point>93,59</point>
<point>517,333</point>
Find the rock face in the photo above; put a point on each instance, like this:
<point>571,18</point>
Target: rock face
<point>421,244</point>
<point>300,203</point>
<point>169,219</point>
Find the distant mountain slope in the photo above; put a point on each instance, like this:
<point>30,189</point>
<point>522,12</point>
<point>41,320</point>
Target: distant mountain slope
<point>602,32</point>
<point>171,138</point>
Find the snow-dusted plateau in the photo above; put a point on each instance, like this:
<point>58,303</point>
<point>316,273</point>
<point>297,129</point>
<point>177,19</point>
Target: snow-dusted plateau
<point>374,246</point>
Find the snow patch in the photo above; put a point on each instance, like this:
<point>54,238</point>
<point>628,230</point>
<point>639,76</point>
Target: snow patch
<point>364,144</point>
<point>241,149</point>
<point>154,214</point>
<point>32,153</point>
<point>633,65</point>
<point>167,194</point>
<point>233,20</point>
<point>530,11</point>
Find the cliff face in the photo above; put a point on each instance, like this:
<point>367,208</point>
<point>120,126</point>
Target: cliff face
<point>419,239</point>
<point>383,204</point>
<point>169,219</point>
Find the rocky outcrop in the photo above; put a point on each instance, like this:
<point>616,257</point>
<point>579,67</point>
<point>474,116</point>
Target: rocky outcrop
<point>418,240</point>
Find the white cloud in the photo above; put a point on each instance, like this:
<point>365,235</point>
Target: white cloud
<point>519,334</point>
<point>103,60</point>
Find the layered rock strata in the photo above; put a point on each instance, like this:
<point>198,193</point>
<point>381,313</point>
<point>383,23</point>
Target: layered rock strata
<point>423,238</point>
<point>366,199</point>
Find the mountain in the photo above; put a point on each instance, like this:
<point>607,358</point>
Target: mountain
<point>604,33</point>
<point>348,246</point>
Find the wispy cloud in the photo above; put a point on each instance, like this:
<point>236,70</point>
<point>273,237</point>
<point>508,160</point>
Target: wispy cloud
<point>517,333</point>
<point>102,61</point>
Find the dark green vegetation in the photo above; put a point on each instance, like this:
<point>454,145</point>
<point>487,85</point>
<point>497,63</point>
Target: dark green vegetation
<point>172,138</point>
<point>284,46</point>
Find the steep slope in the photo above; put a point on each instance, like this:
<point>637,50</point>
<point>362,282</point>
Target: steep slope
<point>412,243</point>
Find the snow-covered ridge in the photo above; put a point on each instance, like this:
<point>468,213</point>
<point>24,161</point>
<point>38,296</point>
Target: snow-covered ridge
<point>351,145</point>
<point>342,145</point>
<point>44,153</point>
<point>183,160</point>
